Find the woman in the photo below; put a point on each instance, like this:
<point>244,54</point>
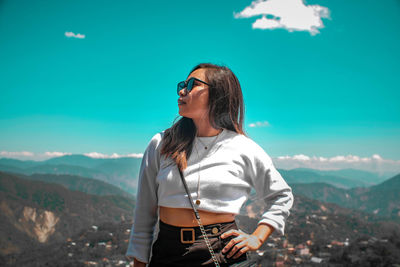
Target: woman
<point>220,165</point>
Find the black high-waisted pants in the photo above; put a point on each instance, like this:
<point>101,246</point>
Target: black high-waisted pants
<point>172,247</point>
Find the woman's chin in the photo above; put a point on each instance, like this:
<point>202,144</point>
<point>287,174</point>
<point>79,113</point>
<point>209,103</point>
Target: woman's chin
<point>182,113</point>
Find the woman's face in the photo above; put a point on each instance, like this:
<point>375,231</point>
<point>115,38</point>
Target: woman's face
<point>194,104</point>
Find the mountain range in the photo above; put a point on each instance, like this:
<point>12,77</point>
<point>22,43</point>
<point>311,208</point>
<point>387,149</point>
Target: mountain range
<point>47,224</point>
<point>77,183</point>
<point>353,174</point>
<point>335,178</point>
<point>382,199</point>
<point>121,172</point>
<point>349,188</point>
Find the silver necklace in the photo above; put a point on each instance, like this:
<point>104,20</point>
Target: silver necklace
<point>205,146</point>
<point>198,171</point>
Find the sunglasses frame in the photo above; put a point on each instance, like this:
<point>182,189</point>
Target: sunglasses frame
<point>188,84</point>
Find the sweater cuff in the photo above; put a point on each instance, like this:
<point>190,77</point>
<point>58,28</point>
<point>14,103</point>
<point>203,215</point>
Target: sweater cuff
<point>278,227</point>
<point>131,252</point>
<point>139,246</point>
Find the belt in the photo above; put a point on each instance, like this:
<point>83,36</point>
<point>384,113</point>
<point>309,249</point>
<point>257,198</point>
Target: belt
<point>188,235</point>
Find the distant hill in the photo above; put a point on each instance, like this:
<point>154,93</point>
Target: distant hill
<point>20,164</point>
<point>121,172</point>
<point>382,199</point>
<point>10,168</point>
<point>76,160</point>
<point>369,178</point>
<point>306,176</point>
<point>66,169</point>
<point>34,213</point>
<point>77,183</point>
<point>323,192</point>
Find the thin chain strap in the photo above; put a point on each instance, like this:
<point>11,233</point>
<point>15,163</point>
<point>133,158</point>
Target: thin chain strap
<point>208,242</point>
<point>203,232</point>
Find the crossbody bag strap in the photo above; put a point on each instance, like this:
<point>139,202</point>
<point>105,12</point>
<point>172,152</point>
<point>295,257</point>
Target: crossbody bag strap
<point>196,213</point>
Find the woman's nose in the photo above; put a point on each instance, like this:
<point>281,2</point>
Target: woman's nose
<point>183,92</point>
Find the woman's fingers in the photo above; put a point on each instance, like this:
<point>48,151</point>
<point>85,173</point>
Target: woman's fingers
<point>229,233</point>
<point>232,243</point>
<point>236,247</point>
<point>241,244</point>
<point>241,252</point>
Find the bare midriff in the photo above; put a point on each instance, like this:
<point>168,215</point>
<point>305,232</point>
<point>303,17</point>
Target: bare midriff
<point>185,217</point>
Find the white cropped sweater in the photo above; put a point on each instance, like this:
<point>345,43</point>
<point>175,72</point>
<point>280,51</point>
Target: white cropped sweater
<point>228,171</point>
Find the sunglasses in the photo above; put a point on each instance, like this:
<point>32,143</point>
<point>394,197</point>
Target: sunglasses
<point>188,84</point>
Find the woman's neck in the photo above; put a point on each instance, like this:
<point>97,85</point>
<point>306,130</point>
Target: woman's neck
<point>204,128</point>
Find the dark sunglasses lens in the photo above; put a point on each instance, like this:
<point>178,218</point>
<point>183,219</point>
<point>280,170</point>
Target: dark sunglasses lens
<point>190,84</point>
<point>181,85</point>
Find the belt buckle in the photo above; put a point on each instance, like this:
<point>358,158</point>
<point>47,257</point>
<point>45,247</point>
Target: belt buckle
<point>187,230</point>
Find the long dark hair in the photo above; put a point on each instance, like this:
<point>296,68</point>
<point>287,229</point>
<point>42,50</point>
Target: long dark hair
<point>226,110</point>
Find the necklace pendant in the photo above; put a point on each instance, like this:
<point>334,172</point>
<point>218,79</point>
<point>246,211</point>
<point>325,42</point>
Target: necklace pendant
<point>198,202</point>
<point>205,147</point>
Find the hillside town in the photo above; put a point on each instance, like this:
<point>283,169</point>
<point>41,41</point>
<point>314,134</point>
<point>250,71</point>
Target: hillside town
<point>105,245</point>
<point>44,224</point>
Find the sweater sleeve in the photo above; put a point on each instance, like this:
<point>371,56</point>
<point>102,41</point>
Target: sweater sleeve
<point>271,188</point>
<point>145,215</point>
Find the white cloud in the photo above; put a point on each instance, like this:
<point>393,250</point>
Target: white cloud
<point>292,15</point>
<point>26,155</point>
<point>96,155</point>
<point>259,124</point>
<point>56,154</point>
<point>8,154</point>
<point>377,157</point>
<point>322,159</point>
<point>301,157</point>
<point>265,23</point>
<point>348,158</point>
<point>375,163</point>
<point>135,155</point>
<point>113,156</point>
<point>71,34</point>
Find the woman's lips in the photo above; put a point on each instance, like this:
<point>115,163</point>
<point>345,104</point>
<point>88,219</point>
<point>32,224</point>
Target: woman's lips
<point>180,102</point>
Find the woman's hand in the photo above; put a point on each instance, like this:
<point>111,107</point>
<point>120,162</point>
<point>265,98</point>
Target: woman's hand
<point>241,243</point>
<point>244,242</point>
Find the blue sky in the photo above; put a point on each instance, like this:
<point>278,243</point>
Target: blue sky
<point>329,93</point>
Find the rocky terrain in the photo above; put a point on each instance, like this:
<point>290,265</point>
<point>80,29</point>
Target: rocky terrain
<point>35,213</point>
